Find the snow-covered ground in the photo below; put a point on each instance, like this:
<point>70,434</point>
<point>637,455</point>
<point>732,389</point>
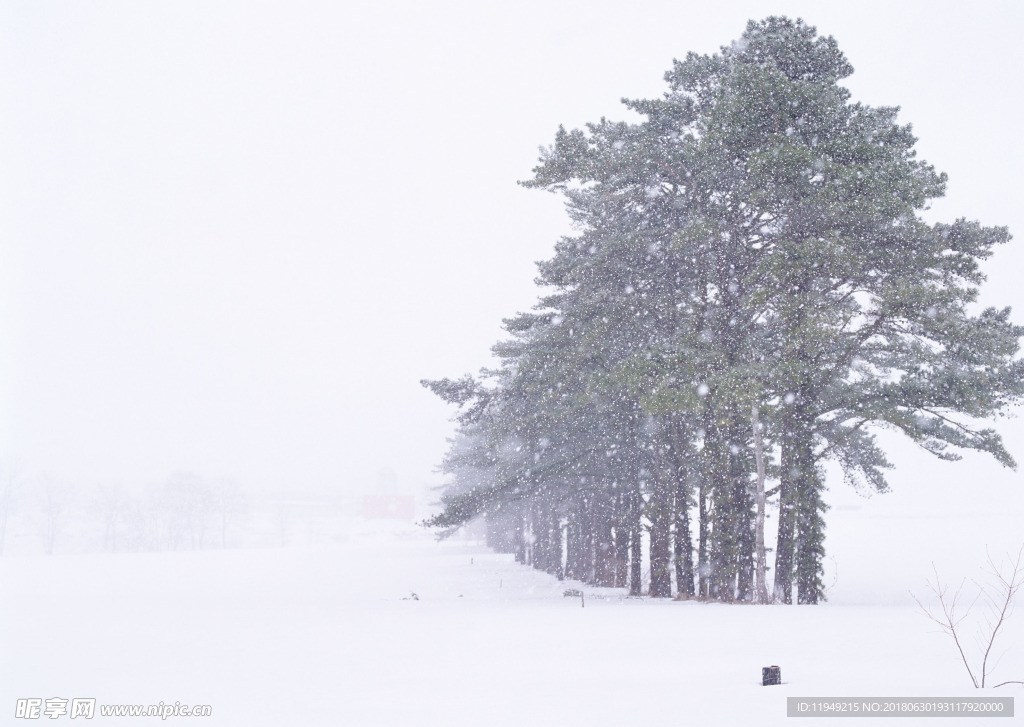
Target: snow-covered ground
<point>332,636</point>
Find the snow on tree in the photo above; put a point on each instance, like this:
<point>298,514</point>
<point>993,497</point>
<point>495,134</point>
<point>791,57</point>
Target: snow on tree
<point>752,291</point>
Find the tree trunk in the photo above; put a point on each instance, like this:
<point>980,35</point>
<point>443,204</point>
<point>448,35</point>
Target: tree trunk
<point>703,566</point>
<point>661,576</point>
<point>659,512</point>
<point>520,539</point>
<point>784,552</point>
<point>810,529</point>
<point>557,555</point>
<point>760,559</point>
<point>538,539</point>
<point>682,541</point>
<point>635,546</point>
<point>621,540</point>
<point>743,519</point>
<point>604,547</point>
<point>683,549</point>
<point>722,547</point>
<point>577,544</point>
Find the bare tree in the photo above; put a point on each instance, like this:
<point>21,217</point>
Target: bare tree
<point>228,503</point>
<point>184,502</point>
<point>54,501</point>
<point>112,509</point>
<point>8,486</point>
<point>997,597</point>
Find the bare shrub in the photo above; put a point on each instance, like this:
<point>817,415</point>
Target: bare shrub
<point>997,601</point>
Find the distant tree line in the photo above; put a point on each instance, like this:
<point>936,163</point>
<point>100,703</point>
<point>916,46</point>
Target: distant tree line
<point>186,512</point>
<point>751,292</point>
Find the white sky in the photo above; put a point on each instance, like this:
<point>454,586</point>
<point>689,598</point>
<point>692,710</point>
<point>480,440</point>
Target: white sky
<point>234,236</point>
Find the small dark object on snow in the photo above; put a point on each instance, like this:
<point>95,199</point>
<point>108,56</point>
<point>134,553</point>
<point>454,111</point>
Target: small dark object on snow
<point>770,675</point>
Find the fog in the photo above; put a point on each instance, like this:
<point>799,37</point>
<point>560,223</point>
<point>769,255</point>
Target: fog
<point>234,237</point>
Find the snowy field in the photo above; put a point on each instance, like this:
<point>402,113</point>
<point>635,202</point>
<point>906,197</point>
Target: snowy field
<point>331,636</point>
<point>236,238</point>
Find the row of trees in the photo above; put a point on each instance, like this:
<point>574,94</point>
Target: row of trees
<point>186,512</point>
<point>752,292</point>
